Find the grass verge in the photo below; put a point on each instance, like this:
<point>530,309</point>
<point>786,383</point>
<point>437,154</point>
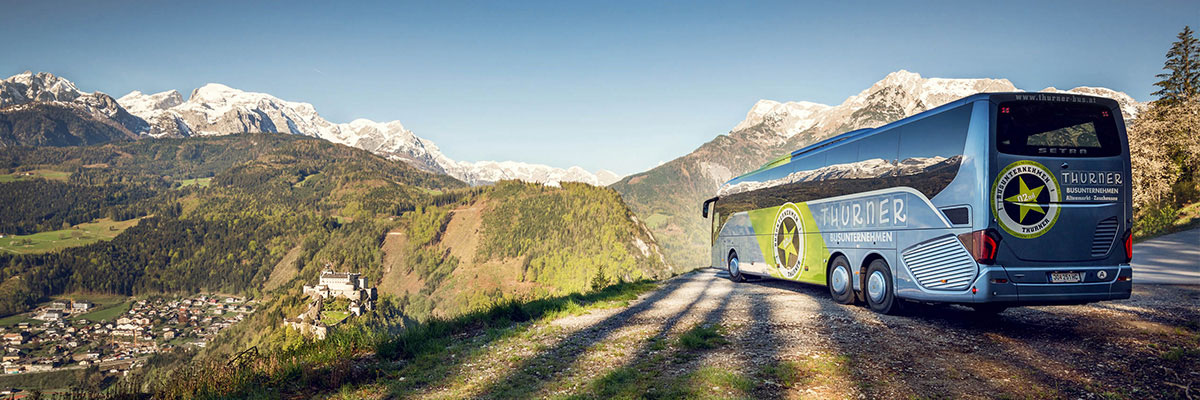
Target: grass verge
<point>1166,220</point>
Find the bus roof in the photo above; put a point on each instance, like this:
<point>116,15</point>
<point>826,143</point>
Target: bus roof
<point>861,133</point>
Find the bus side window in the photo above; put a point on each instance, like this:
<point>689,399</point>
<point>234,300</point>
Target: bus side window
<point>881,146</point>
<point>843,154</point>
<point>931,150</point>
<point>810,162</point>
<point>943,135</point>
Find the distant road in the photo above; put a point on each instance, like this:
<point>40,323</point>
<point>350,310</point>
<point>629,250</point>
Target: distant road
<point>1168,259</point>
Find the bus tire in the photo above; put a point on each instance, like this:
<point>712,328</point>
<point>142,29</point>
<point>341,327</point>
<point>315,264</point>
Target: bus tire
<point>735,272</point>
<point>878,290</point>
<point>840,276</point>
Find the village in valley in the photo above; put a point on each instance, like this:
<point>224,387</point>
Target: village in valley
<point>117,334</point>
<point>115,337</point>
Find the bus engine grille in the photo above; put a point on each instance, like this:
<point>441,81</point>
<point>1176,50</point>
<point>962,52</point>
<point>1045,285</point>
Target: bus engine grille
<point>941,264</point>
<point>1106,231</point>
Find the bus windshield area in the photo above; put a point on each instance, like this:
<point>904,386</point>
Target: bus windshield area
<point>1039,128</point>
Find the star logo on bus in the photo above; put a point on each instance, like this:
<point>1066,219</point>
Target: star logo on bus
<point>788,241</point>
<point>1026,198</point>
<point>789,236</point>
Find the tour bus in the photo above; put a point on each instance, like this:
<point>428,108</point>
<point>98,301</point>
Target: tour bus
<point>991,201</point>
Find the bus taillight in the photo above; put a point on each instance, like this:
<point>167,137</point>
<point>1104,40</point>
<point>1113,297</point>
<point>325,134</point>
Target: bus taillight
<point>1128,245</point>
<point>981,244</point>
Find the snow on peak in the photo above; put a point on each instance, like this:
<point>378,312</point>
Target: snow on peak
<point>486,172</point>
<point>786,119</point>
<point>29,87</point>
<point>144,105</point>
<point>217,109</point>
<point>1129,106</point>
<point>897,95</point>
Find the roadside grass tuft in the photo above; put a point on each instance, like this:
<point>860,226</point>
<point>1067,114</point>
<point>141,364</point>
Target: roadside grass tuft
<point>818,370</point>
<point>1175,354</point>
<point>710,382</point>
<point>787,373</point>
<point>702,337</point>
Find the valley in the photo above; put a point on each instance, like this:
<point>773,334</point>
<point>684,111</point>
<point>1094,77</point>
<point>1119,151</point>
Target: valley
<point>107,336</point>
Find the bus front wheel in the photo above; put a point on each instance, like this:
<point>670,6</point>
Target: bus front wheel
<point>880,294</point>
<point>838,279</point>
<point>735,272</point>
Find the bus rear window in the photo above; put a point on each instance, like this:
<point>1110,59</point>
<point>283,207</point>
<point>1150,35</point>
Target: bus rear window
<point>1041,128</point>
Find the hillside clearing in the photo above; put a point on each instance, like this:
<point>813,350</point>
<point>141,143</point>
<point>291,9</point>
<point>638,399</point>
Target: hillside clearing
<point>397,280</point>
<point>284,270</point>
<point>37,173</point>
<point>78,235</point>
<point>201,182</point>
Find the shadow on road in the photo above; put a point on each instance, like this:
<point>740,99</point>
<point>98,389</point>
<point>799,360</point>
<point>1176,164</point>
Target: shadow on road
<point>532,374</point>
<point>1061,351</point>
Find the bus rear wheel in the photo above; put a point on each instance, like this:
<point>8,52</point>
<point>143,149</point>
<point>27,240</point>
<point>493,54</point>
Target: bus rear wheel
<point>878,290</point>
<point>838,281</point>
<point>735,272</point>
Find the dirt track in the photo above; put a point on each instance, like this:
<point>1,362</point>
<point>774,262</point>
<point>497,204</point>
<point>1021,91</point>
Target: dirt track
<point>789,340</point>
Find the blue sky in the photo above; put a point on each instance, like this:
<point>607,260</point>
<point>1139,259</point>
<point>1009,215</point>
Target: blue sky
<point>616,85</point>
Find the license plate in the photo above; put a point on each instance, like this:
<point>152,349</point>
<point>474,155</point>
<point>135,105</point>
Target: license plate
<point>1065,277</point>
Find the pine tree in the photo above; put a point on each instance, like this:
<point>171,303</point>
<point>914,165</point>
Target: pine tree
<point>1182,82</point>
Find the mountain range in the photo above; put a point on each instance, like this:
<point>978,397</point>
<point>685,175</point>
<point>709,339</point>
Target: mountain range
<point>215,109</point>
<point>668,197</point>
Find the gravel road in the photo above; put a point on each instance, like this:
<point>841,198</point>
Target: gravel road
<point>788,340</point>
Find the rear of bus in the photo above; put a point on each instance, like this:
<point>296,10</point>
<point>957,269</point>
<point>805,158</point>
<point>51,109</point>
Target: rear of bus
<point>1060,200</point>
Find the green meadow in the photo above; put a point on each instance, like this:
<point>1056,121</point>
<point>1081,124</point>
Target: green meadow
<point>78,235</point>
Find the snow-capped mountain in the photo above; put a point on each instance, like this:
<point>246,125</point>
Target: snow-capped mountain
<point>216,109</point>
<point>492,171</point>
<point>898,95</point>
<point>45,89</point>
<point>791,117</point>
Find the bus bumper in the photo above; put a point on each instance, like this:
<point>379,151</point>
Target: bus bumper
<point>1030,286</point>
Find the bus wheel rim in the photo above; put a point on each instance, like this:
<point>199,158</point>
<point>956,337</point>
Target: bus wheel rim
<point>839,279</point>
<point>876,286</point>
<point>733,267</point>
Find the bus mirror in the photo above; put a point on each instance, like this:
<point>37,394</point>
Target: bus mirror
<point>704,208</point>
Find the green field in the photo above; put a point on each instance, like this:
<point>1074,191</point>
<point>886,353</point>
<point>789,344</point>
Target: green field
<point>106,312</point>
<point>39,173</point>
<point>13,320</point>
<point>202,182</point>
<point>333,317</point>
<point>78,235</point>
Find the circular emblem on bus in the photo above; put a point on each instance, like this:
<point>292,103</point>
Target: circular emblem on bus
<point>788,240</point>
<point>1025,199</point>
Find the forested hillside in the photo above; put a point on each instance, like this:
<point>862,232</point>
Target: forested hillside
<point>275,210</point>
<point>268,192</point>
<point>47,124</point>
